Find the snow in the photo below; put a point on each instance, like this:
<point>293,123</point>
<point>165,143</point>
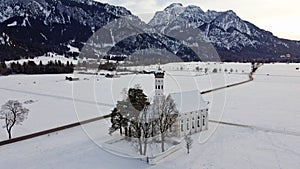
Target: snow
<point>185,104</point>
<point>272,100</point>
<point>45,59</point>
<point>2,40</point>
<point>269,103</point>
<point>216,24</point>
<point>92,96</point>
<point>47,152</point>
<point>26,21</point>
<point>73,49</point>
<point>44,36</point>
<point>12,24</point>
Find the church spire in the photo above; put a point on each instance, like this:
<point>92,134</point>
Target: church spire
<point>159,81</point>
<point>159,64</point>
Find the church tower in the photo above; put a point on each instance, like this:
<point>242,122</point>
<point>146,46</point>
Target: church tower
<point>159,82</point>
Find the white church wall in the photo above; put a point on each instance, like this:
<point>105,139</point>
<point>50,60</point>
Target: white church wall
<point>192,122</point>
<point>204,119</point>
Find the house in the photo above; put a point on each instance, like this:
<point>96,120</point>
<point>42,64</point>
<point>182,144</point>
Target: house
<point>191,108</point>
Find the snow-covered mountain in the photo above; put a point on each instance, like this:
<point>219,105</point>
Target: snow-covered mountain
<point>33,27</point>
<point>30,28</point>
<point>234,38</point>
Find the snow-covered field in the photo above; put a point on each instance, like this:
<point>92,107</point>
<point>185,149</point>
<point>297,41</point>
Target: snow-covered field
<point>269,103</point>
<point>58,102</point>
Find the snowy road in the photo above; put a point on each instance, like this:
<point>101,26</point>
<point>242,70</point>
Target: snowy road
<point>57,97</point>
<point>285,132</point>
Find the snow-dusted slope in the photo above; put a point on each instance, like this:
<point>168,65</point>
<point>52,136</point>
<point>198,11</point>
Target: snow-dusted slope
<point>40,26</point>
<point>232,36</point>
<point>86,12</point>
<point>32,28</point>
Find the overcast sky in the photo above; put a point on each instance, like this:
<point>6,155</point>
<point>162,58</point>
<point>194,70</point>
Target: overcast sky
<point>281,17</point>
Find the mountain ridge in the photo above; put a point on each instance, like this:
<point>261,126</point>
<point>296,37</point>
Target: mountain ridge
<point>230,34</point>
<point>30,28</point>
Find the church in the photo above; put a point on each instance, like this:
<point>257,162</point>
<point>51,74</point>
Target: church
<point>191,108</point>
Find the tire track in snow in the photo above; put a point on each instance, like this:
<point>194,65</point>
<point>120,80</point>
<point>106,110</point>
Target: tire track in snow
<point>57,97</point>
<point>285,132</point>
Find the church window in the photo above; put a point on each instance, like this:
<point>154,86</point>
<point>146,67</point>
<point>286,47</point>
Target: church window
<point>187,124</point>
<point>193,123</point>
<point>182,125</point>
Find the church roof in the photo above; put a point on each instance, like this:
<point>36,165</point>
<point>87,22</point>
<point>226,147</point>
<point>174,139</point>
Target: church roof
<point>189,101</point>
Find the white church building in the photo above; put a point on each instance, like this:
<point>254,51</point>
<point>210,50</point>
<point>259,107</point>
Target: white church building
<point>191,108</point>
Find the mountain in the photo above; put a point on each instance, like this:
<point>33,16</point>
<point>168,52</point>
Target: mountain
<point>233,38</point>
<point>30,28</point>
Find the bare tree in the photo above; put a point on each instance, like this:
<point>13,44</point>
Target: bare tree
<point>140,130</point>
<point>145,127</point>
<point>166,114</point>
<point>189,141</point>
<point>205,70</point>
<point>14,114</point>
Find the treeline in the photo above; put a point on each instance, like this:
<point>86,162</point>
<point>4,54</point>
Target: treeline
<point>3,69</point>
<point>31,67</point>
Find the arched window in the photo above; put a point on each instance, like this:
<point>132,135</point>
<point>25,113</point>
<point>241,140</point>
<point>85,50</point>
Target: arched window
<point>187,124</point>
<point>203,121</point>
<point>198,121</point>
<point>181,125</point>
<point>193,123</point>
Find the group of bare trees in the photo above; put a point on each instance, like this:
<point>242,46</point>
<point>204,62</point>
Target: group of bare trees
<point>13,113</point>
<point>137,119</point>
<point>165,113</point>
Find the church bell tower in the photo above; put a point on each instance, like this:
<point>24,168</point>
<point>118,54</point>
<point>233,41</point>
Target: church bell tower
<point>159,82</point>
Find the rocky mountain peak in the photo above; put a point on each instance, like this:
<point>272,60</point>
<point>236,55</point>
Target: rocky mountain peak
<point>173,5</point>
<point>231,35</point>
<point>30,28</point>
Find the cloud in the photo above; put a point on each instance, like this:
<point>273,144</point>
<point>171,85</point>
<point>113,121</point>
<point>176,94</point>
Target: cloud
<point>278,16</point>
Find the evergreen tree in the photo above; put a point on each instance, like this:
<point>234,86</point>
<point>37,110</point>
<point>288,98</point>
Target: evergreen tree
<point>127,112</point>
<point>3,69</point>
<point>117,121</point>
